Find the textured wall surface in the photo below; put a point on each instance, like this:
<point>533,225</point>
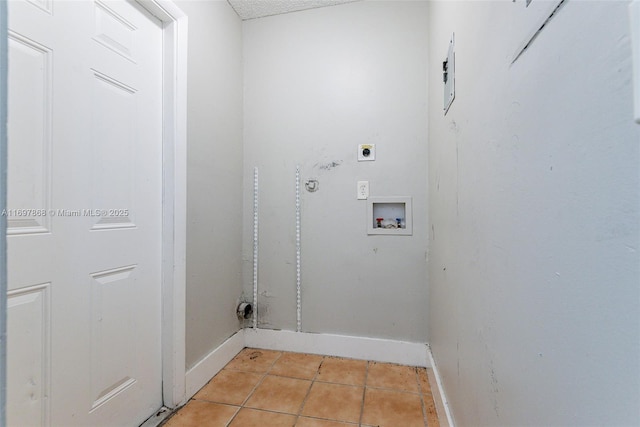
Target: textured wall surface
<point>214,175</point>
<point>317,84</point>
<point>533,212</point>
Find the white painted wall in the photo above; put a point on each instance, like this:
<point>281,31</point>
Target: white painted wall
<point>534,202</point>
<point>214,181</point>
<point>317,83</point>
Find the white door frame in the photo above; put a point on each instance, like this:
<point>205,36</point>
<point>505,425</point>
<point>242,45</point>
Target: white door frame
<point>3,205</point>
<point>174,197</point>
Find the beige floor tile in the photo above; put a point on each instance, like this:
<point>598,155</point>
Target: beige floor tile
<point>315,422</point>
<point>255,418</point>
<point>197,413</point>
<point>395,377</point>
<point>423,380</point>
<point>427,397</point>
<point>388,408</point>
<point>232,387</point>
<point>297,365</point>
<point>437,399</point>
<point>334,401</point>
<point>272,387</point>
<point>430,410</point>
<point>279,394</point>
<point>253,360</point>
<point>342,371</point>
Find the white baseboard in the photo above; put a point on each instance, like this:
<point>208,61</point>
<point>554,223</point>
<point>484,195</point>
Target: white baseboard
<point>379,350</point>
<point>443,402</point>
<point>208,367</point>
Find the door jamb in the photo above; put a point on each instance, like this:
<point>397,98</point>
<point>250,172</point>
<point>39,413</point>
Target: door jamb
<point>174,197</point>
<point>3,204</point>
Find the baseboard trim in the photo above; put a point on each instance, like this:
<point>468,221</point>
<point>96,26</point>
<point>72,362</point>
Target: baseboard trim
<point>379,350</point>
<point>442,404</point>
<point>376,349</point>
<point>211,364</point>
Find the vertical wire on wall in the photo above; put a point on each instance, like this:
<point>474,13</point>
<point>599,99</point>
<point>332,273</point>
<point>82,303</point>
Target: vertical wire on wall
<point>255,248</point>
<point>298,308</point>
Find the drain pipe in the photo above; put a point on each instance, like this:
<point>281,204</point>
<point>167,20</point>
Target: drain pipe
<point>244,310</point>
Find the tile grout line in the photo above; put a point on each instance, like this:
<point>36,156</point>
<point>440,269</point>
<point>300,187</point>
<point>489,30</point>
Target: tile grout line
<point>316,378</point>
<point>397,390</point>
<point>234,416</point>
<point>313,380</point>
<point>364,392</point>
<point>424,409</point>
<point>346,423</point>
<point>264,375</point>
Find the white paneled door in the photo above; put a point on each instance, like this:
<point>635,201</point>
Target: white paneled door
<point>84,213</point>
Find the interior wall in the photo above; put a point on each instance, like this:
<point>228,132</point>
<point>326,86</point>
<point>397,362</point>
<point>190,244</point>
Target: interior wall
<point>317,84</point>
<point>214,175</point>
<point>534,202</point>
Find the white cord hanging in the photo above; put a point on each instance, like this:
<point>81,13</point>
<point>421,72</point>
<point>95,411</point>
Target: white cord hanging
<point>298,276</point>
<point>255,248</point>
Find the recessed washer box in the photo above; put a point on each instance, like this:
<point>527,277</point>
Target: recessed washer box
<point>389,215</point>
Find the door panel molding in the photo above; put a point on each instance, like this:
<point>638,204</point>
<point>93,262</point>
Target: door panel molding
<point>28,310</point>
<point>113,329</point>
<point>30,62</point>
<point>114,31</point>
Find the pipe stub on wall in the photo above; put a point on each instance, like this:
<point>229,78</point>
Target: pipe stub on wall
<point>244,310</point>
<point>312,185</point>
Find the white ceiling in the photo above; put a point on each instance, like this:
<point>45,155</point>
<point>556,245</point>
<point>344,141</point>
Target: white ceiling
<point>250,9</point>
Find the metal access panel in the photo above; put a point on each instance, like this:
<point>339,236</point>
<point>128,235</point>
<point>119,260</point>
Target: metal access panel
<point>448,75</point>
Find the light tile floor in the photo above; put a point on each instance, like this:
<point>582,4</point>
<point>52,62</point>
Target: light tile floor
<point>271,388</point>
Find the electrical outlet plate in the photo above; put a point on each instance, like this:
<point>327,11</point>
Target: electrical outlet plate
<point>363,190</point>
<point>366,152</point>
